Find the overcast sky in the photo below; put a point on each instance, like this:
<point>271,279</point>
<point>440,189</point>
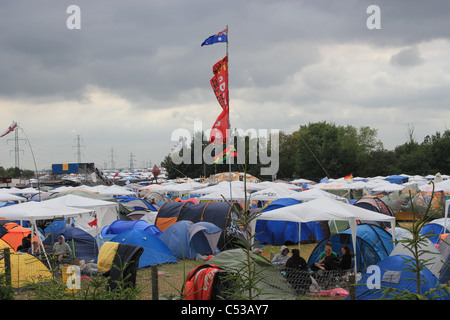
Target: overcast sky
<point>136,71</point>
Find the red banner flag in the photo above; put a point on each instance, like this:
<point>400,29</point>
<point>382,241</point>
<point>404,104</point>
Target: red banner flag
<point>219,132</point>
<point>219,84</point>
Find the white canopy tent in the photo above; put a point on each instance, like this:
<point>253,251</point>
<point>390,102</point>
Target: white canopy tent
<point>106,212</point>
<point>34,211</point>
<point>272,193</point>
<point>326,209</point>
<point>5,197</point>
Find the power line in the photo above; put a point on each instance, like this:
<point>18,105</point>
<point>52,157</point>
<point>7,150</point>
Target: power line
<point>78,146</point>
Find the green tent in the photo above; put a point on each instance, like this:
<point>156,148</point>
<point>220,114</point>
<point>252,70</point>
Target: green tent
<point>270,281</point>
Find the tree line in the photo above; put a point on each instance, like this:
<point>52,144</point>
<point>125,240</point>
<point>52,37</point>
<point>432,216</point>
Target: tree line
<point>16,173</point>
<point>322,149</point>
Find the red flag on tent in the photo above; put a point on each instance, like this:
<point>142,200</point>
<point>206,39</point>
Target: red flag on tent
<point>350,176</point>
<point>10,129</point>
<point>93,223</point>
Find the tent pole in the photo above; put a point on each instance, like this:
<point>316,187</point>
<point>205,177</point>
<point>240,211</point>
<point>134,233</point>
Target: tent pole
<point>40,244</point>
<point>229,121</point>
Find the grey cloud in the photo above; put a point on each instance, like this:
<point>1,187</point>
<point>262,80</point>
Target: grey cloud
<point>409,57</point>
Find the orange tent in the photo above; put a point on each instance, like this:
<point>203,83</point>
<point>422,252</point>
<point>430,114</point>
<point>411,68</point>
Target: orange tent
<point>15,234</point>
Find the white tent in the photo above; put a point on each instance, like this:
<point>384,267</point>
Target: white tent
<point>312,194</point>
<point>325,209</point>
<point>430,254</point>
<point>235,194</point>
<point>272,193</point>
<point>106,212</point>
<point>5,197</point>
<point>34,211</point>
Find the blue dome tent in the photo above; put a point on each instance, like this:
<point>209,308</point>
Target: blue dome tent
<point>395,273</point>
<point>435,229</point>
<point>186,239</point>
<point>155,251</point>
<point>120,226</point>
<point>373,245</point>
<point>280,232</point>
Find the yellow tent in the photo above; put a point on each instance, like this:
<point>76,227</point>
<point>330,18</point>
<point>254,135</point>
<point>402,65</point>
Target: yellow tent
<point>4,244</point>
<point>26,269</point>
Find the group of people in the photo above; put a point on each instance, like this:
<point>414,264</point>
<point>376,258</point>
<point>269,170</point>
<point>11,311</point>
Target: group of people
<point>61,249</point>
<point>296,267</point>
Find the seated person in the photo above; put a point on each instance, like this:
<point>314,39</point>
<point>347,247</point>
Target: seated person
<point>61,249</point>
<point>26,244</point>
<point>281,258</point>
<point>297,273</point>
<point>345,261</point>
<point>328,253</point>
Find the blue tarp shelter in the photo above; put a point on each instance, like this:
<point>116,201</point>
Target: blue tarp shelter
<point>280,232</point>
<point>395,273</point>
<point>84,246</point>
<point>186,239</point>
<point>155,251</point>
<point>397,179</point>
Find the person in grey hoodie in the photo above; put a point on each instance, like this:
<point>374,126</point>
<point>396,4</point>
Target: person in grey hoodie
<point>61,249</point>
<point>281,258</point>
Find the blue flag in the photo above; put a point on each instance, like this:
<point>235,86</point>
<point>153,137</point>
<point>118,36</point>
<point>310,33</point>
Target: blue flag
<point>222,36</point>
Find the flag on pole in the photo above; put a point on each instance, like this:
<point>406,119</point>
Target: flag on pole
<point>219,83</point>
<point>228,152</point>
<point>221,36</point>
<point>219,132</point>
<point>11,128</point>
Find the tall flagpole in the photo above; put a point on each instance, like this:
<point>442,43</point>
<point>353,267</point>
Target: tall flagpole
<point>229,121</point>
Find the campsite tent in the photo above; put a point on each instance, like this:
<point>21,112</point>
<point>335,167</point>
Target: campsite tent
<point>26,269</point>
<point>271,284</point>
<point>84,246</point>
<point>120,226</point>
<point>429,253</point>
<point>281,232</point>
<point>395,273</point>
<point>102,212</point>
<point>155,251</point>
<point>34,211</point>
<point>135,203</point>
<point>325,209</point>
<point>186,239</point>
<point>219,213</point>
<point>14,235</point>
<point>377,205</point>
<point>435,228</point>
<point>444,249</point>
<point>372,242</point>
